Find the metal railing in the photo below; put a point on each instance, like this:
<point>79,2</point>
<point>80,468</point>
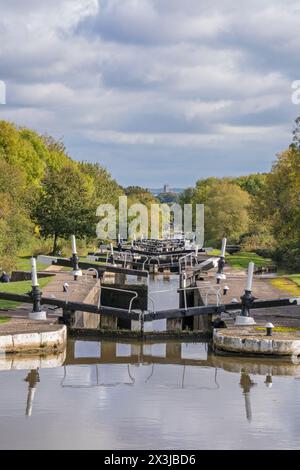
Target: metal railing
<point>188,259</point>
<point>135,295</point>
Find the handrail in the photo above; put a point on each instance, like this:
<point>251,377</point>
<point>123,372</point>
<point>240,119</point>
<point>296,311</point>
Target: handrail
<point>154,257</point>
<point>217,292</point>
<point>147,257</point>
<point>90,270</point>
<point>185,258</point>
<point>135,295</point>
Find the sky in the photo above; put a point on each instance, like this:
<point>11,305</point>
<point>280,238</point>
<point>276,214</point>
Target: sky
<point>157,91</point>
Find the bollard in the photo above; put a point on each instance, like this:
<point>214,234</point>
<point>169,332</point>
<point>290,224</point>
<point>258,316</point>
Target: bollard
<point>269,327</point>
<point>225,290</point>
<point>65,287</point>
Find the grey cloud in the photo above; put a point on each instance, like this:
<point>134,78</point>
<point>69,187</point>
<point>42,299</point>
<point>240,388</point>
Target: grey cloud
<point>173,90</point>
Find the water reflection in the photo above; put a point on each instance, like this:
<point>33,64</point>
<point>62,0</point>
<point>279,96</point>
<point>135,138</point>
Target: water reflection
<point>33,379</point>
<point>94,379</point>
<point>185,355</point>
<point>246,384</point>
<point>180,394</point>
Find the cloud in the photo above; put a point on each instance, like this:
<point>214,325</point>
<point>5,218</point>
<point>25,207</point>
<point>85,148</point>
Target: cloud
<point>154,84</point>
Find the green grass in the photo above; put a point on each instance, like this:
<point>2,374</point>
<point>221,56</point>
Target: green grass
<point>288,284</point>
<point>215,252</point>
<point>22,287</point>
<point>295,278</point>
<point>280,329</point>
<point>4,320</point>
<point>241,259</point>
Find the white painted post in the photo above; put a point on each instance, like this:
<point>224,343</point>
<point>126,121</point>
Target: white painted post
<point>244,318</point>
<point>223,250</point>
<point>250,276</point>
<point>76,271</point>
<point>34,277</point>
<point>74,249</point>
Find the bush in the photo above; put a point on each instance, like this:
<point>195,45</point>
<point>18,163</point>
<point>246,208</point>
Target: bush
<point>263,244</point>
<point>288,257</point>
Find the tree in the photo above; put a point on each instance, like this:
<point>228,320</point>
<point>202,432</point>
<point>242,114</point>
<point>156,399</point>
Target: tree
<point>278,205</point>
<point>139,195</point>
<point>226,209</point>
<point>15,226</point>
<point>65,205</point>
<point>106,189</point>
<point>296,134</point>
<point>186,196</point>
<point>251,183</point>
<point>39,179</point>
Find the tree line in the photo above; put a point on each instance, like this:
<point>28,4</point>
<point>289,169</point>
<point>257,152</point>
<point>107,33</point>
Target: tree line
<point>261,212</point>
<point>45,196</point>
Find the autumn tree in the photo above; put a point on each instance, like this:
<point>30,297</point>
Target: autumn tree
<point>106,189</point>
<point>279,206</point>
<point>65,205</point>
<point>15,225</point>
<point>226,209</point>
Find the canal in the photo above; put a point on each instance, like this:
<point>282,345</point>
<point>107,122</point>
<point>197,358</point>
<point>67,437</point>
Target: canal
<point>156,395</point>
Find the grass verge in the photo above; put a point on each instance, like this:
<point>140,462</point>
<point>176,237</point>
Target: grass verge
<point>280,329</point>
<point>295,278</point>
<point>241,259</point>
<point>286,284</point>
<point>21,287</point>
<point>24,264</point>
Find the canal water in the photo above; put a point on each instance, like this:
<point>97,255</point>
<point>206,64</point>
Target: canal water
<point>156,395</point>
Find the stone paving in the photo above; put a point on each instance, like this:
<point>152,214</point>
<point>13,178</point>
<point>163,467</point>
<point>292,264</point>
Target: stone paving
<point>22,326</point>
<point>262,290</point>
<point>78,291</point>
<point>27,334</point>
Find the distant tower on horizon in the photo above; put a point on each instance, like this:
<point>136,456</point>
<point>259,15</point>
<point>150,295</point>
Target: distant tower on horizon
<point>167,188</point>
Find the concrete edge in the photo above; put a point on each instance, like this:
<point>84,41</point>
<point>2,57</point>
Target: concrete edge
<point>264,346</point>
<point>34,342</point>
